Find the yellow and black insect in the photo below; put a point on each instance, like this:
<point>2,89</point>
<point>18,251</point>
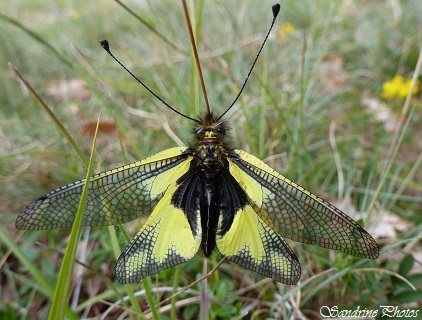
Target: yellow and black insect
<point>205,196</point>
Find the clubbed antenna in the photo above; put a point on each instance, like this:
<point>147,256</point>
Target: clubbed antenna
<point>105,45</point>
<point>276,10</point>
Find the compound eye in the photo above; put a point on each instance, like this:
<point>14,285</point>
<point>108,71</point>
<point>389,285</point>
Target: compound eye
<point>198,130</point>
<point>219,130</point>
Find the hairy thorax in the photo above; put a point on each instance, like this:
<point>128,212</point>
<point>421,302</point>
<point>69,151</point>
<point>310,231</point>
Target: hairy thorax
<point>210,148</point>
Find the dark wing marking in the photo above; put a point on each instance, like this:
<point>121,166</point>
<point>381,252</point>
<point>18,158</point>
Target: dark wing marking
<point>252,244</point>
<point>296,213</point>
<point>165,240</point>
<point>116,196</point>
<point>244,238</point>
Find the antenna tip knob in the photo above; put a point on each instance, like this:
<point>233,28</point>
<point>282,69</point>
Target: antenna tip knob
<point>276,10</point>
<point>104,44</point>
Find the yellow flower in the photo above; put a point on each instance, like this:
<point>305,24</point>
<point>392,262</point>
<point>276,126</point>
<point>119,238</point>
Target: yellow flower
<point>286,29</point>
<point>73,15</point>
<point>398,87</point>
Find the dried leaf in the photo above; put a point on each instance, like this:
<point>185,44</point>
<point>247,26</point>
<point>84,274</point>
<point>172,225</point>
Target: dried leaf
<point>331,74</point>
<point>73,89</point>
<point>107,127</point>
<point>381,113</point>
<point>389,225</point>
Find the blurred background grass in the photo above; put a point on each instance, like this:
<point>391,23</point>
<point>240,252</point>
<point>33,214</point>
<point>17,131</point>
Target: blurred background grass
<point>314,109</point>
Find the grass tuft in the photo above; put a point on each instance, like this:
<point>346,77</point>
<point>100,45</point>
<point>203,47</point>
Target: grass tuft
<point>314,109</point>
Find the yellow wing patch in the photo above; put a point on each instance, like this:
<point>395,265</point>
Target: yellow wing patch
<point>162,181</point>
<point>250,185</point>
<point>255,246</point>
<point>255,190</point>
<point>165,240</point>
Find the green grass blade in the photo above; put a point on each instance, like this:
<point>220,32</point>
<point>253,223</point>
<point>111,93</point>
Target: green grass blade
<point>64,281</point>
<point>68,137</point>
<point>51,114</point>
<point>152,29</point>
<point>176,278</point>
<point>44,286</point>
<point>38,38</point>
<point>128,287</point>
<point>146,282</point>
<point>398,136</point>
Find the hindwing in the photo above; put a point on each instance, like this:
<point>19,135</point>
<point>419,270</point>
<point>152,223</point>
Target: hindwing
<point>116,196</point>
<point>296,213</point>
<point>252,244</point>
<point>166,239</point>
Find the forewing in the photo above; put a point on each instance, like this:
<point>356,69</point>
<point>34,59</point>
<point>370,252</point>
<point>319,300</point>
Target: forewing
<point>116,196</point>
<point>166,239</point>
<point>252,244</point>
<point>296,213</point>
